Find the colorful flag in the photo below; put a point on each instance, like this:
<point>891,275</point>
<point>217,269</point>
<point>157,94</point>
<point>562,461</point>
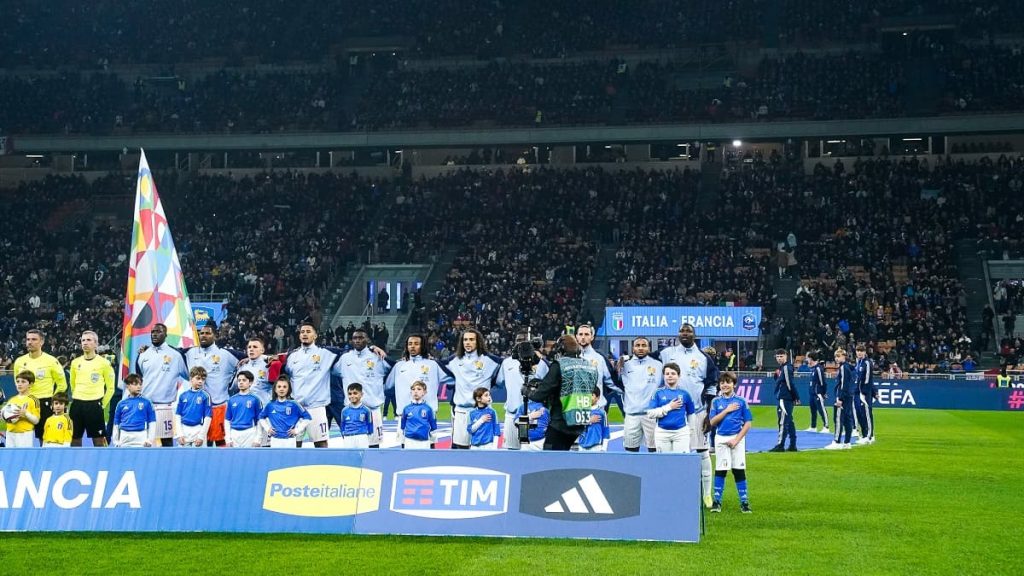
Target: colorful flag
<point>156,288</point>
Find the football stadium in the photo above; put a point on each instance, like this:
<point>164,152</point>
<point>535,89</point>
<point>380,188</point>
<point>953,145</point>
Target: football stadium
<point>489,287</point>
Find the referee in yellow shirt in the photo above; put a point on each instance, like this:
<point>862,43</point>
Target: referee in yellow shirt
<point>49,376</point>
<point>92,386</point>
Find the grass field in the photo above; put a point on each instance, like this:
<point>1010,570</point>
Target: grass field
<point>939,493</point>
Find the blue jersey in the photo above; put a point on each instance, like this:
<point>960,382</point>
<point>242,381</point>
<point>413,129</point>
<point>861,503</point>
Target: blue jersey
<point>537,434</point>
<point>243,411</point>
<point>220,369</point>
<point>470,372</point>
<point>784,386</point>
<point>733,422</point>
<point>405,372</point>
<point>818,385</point>
<point>418,421</point>
<point>487,431</point>
<point>260,370</point>
<point>310,368</point>
<point>640,379</point>
<point>846,383</point>
<point>511,378</point>
<point>366,368</point>
<point>356,421</point>
<point>597,432</point>
<point>674,419</point>
<point>283,415</point>
<point>134,414</point>
<point>194,406</point>
<point>865,379</point>
<point>162,369</point>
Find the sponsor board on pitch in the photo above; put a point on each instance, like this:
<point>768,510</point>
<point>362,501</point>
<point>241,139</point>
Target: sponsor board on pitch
<point>441,492</point>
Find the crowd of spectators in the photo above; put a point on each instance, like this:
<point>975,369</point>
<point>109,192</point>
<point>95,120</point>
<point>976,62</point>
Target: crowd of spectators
<point>996,185</point>
<point>986,78</point>
<point>526,244</point>
<point>267,244</point>
<point>104,33</point>
<point>798,85</point>
<point>671,254</point>
<point>63,280</point>
<point>503,94</point>
<point>873,248</point>
<point>225,101</point>
<point>871,244</point>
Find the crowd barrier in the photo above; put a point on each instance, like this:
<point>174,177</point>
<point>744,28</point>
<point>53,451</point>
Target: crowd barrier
<point>441,493</point>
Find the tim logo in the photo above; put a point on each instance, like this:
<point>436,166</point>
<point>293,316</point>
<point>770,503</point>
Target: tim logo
<point>580,495</point>
<point>618,321</point>
<point>449,492</point>
<point>748,322</point>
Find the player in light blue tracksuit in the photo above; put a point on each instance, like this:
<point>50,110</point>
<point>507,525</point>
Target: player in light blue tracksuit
<point>471,367</point>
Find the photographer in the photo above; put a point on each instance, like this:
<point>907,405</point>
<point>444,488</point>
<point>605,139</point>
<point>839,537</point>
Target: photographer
<point>567,391</point>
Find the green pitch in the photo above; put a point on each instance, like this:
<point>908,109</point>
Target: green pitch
<point>939,493</point>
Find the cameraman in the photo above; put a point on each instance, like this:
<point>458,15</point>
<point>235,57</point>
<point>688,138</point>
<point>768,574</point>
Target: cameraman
<point>567,391</point>
<point>510,376</point>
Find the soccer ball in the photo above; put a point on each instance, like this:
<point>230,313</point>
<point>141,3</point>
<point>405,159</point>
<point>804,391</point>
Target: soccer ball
<point>10,413</point>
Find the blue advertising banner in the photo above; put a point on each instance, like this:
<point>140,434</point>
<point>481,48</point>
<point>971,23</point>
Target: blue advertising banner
<point>203,312</point>
<point>903,393</point>
<point>472,493</point>
<point>708,321</point>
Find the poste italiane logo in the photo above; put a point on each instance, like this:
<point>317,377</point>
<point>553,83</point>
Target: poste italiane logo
<point>322,491</point>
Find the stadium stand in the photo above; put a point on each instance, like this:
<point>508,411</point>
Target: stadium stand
<point>262,241</point>
<point>606,90</point>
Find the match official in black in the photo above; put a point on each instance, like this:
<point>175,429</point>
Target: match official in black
<point>567,392</point>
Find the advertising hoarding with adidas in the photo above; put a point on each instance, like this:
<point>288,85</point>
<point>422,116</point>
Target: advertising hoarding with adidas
<point>580,495</point>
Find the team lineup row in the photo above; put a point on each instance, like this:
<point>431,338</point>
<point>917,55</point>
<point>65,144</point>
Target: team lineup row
<point>665,396</point>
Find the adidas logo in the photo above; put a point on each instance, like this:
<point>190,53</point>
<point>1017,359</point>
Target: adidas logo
<point>580,495</point>
<point>574,501</point>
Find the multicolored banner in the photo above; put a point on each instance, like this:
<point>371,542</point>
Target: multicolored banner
<point>156,287</point>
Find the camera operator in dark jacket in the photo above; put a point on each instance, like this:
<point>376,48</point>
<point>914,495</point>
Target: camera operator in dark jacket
<point>567,392</point>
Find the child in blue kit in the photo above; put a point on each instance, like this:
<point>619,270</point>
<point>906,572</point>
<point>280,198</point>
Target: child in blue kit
<point>284,419</point>
<point>483,424</point>
<point>194,410</point>
<point>134,417</point>
<point>356,420</point>
<point>540,416</point>
<point>418,422</point>
<point>242,417</point>
<point>595,438</point>
<point>671,406</point>
<point>731,418</point>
